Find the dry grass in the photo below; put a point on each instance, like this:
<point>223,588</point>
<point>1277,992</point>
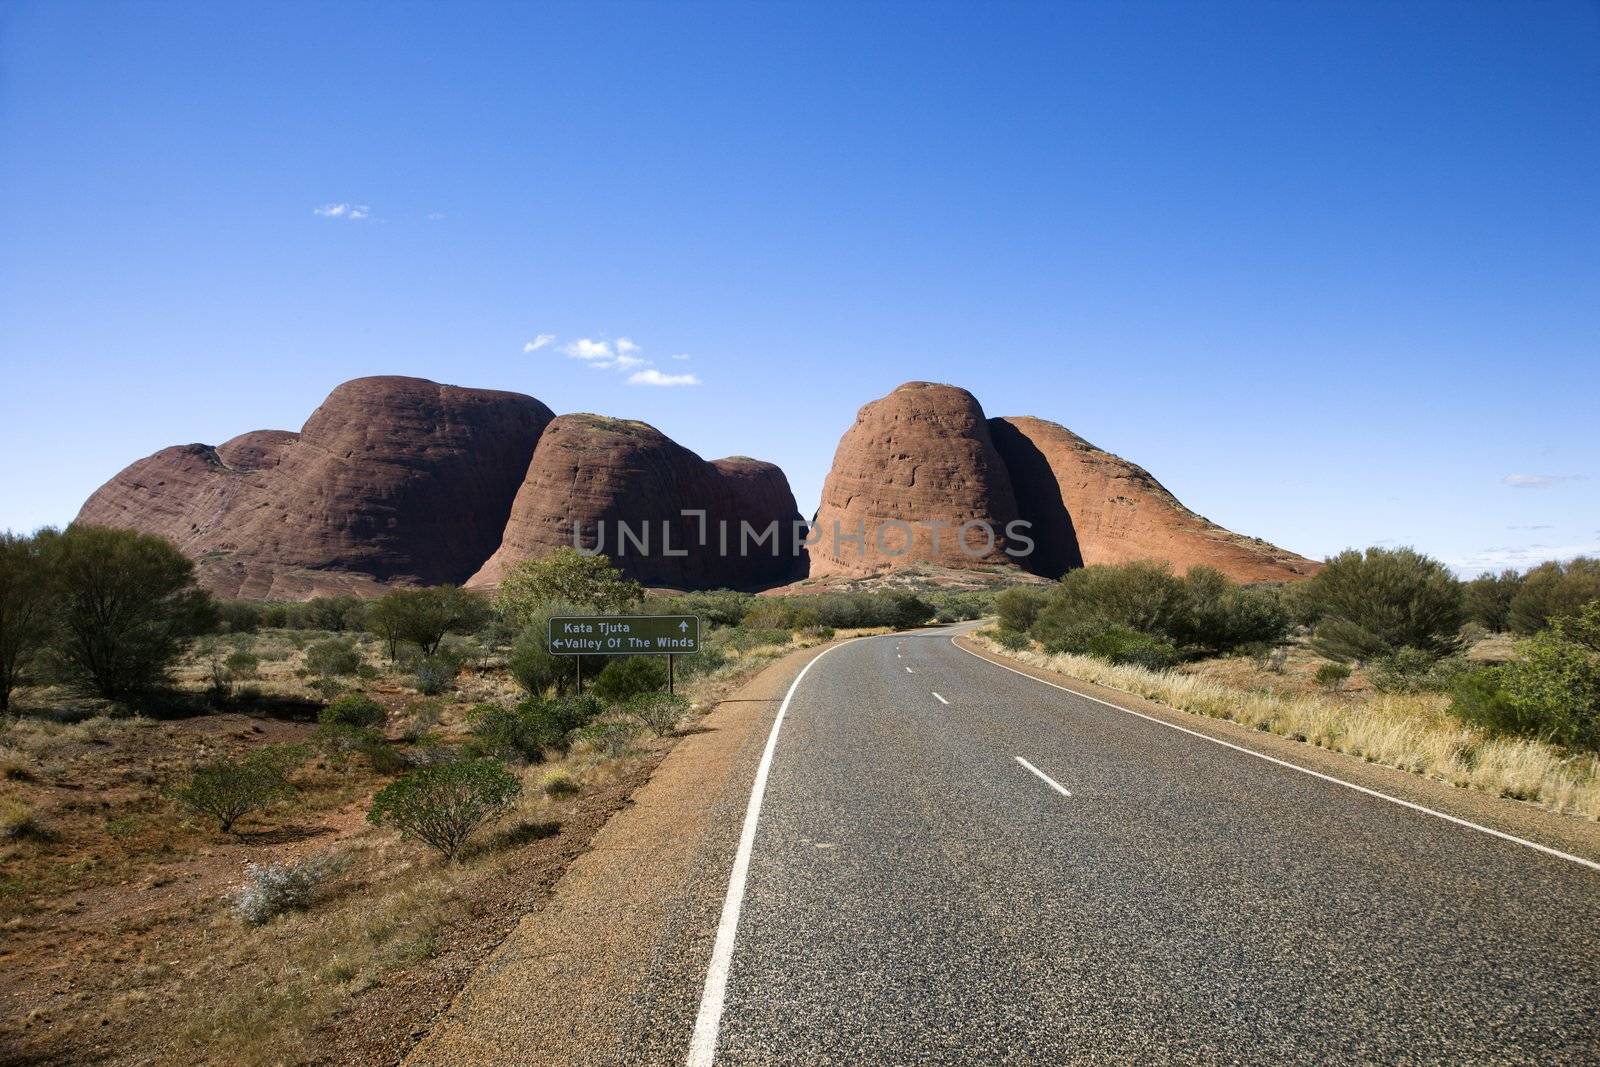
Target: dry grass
<point>1411,732</point>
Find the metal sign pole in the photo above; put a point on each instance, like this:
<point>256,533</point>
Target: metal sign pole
<point>580,676</point>
<point>669,674</point>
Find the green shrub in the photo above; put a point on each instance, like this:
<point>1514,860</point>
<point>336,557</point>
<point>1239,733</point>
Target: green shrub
<point>1378,603</point>
<point>1488,599</point>
<point>817,633</point>
<point>1332,676</point>
<point>526,730</point>
<point>532,663</point>
<point>227,789</point>
<point>1142,596</point>
<point>1552,590</point>
<point>658,712</point>
<point>1410,670</point>
<point>356,709</point>
<point>435,675</point>
<point>1015,640</point>
<point>240,616</point>
<point>443,805</point>
<point>337,657</point>
<point>610,739</point>
<point>1019,607</point>
<point>565,576</point>
<point>242,664</point>
<point>627,677</point>
<point>26,597</point>
<point>1550,692</point>
<point>1122,645</point>
<point>424,616</point>
<point>1219,615</point>
<point>125,606</point>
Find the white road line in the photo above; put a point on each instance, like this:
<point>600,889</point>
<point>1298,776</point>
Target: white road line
<point>1501,834</point>
<point>1057,786</point>
<point>910,671</point>
<point>708,1023</point>
<point>940,699</point>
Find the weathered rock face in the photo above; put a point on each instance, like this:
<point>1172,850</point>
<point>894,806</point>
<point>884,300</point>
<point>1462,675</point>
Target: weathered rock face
<point>1088,506</point>
<point>391,479</point>
<point>918,456</point>
<point>597,474</point>
<point>925,453</point>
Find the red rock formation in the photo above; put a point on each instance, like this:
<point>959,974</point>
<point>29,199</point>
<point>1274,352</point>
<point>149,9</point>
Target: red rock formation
<point>920,455</point>
<point>596,473</point>
<point>391,479</point>
<point>1088,506</point>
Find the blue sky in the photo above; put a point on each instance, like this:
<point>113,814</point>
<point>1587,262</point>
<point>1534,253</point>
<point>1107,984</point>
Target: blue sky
<point>1331,272</point>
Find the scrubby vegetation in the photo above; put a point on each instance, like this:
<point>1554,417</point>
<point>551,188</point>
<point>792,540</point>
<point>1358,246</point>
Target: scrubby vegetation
<point>443,806</point>
<point>1387,636</point>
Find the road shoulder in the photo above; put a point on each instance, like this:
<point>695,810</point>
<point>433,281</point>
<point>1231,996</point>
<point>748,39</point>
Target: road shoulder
<point>609,969</point>
<point>1580,837</point>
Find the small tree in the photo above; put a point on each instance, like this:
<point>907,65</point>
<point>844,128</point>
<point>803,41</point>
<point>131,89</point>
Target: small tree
<point>227,789</point>
<point>1551,590</point>
<point>1489,597</point>
<point>1551,691</point>
<point>628,677</point>
<point>443,805</point>
<point>355,709</point>
<point>128,608</point>
<point>1019,606</point>
<point>25,597</point>
<point>564,576</point>
<point>424,616</point>
<point>1375,604</point>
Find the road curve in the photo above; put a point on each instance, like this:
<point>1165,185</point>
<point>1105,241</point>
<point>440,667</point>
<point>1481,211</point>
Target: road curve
<point>958,864</point>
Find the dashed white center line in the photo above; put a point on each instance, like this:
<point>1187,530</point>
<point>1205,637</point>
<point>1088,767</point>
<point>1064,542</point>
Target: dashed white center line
<point>940,699</point>
<point>910,671</point>
<point>1051,782</point>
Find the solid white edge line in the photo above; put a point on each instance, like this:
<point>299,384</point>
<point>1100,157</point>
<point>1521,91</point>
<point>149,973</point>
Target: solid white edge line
<point>1501,834</point>
<point>940,699</point>
<point>708,1023</point>
<point>1051,782</point>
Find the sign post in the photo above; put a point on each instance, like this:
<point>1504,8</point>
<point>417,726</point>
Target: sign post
<point>625,635</point>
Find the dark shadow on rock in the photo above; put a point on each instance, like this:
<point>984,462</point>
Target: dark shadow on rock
<point>1039,502</point>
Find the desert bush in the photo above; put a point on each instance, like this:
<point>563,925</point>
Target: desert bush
<point>744,638</point>
<point>355,709</point>
<point>337,657</point>
<point>239,616</point>
<point>1332,676</point>
<point>126,608</point>
<point>1219,615</point>
<point>1385,600</point>
<point>1410,670</point>
<point>1118,644</point>
<point>627,677</point>
<point>273,889</point>
<point>1488,599</point>
<point>609,739</point>
<point>25,601</point>
<point>14,764</point>
<point>564,576</point>
<point>17,819</point>
<point>1014,640</point>
<point>227,789</point>
<point>435,675</point>
<point>242,664</point>
<point>532,664</point>
<point>559,783</point>
<point>660,713</point>
<point>1551,691</point>
<point>424,616</point>
<point>817,633</point>
<point>716,607</point>
<point>1019,607</point>
<point>1142,596</point>
<point>1552,590</point>
<point>443,805</point>
<point>508,732</point>
<point>334,613</point>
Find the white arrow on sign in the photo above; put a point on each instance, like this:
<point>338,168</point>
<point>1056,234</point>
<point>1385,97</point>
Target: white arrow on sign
<point>683,627</point>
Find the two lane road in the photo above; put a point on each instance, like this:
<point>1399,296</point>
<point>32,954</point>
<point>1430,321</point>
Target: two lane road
<point>957,864</point>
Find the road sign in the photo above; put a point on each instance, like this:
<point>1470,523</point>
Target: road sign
<point>624,635</point>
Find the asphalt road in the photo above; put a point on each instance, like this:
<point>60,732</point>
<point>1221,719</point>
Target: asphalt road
<point>916,894</point>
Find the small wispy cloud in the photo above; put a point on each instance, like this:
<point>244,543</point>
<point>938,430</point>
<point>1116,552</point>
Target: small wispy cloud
<point>355,212</point>
<point>584,348</point>
<point>1538,481</point>
<point>1537,526</point>
<point>623,355</point>
<point>681,355</point>
<point>655,377</point>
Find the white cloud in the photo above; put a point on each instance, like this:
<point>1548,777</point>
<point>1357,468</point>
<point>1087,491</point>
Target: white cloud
<point>1538,481</point>
<point>626,347</point>
<point>655,377</point>
<point>343,211</point>
<point>681,355</point>
<point>583,348</point>
<point>539,342</point>
<point>1520,557</point>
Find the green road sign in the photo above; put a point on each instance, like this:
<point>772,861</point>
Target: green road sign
<point>624,635</point>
